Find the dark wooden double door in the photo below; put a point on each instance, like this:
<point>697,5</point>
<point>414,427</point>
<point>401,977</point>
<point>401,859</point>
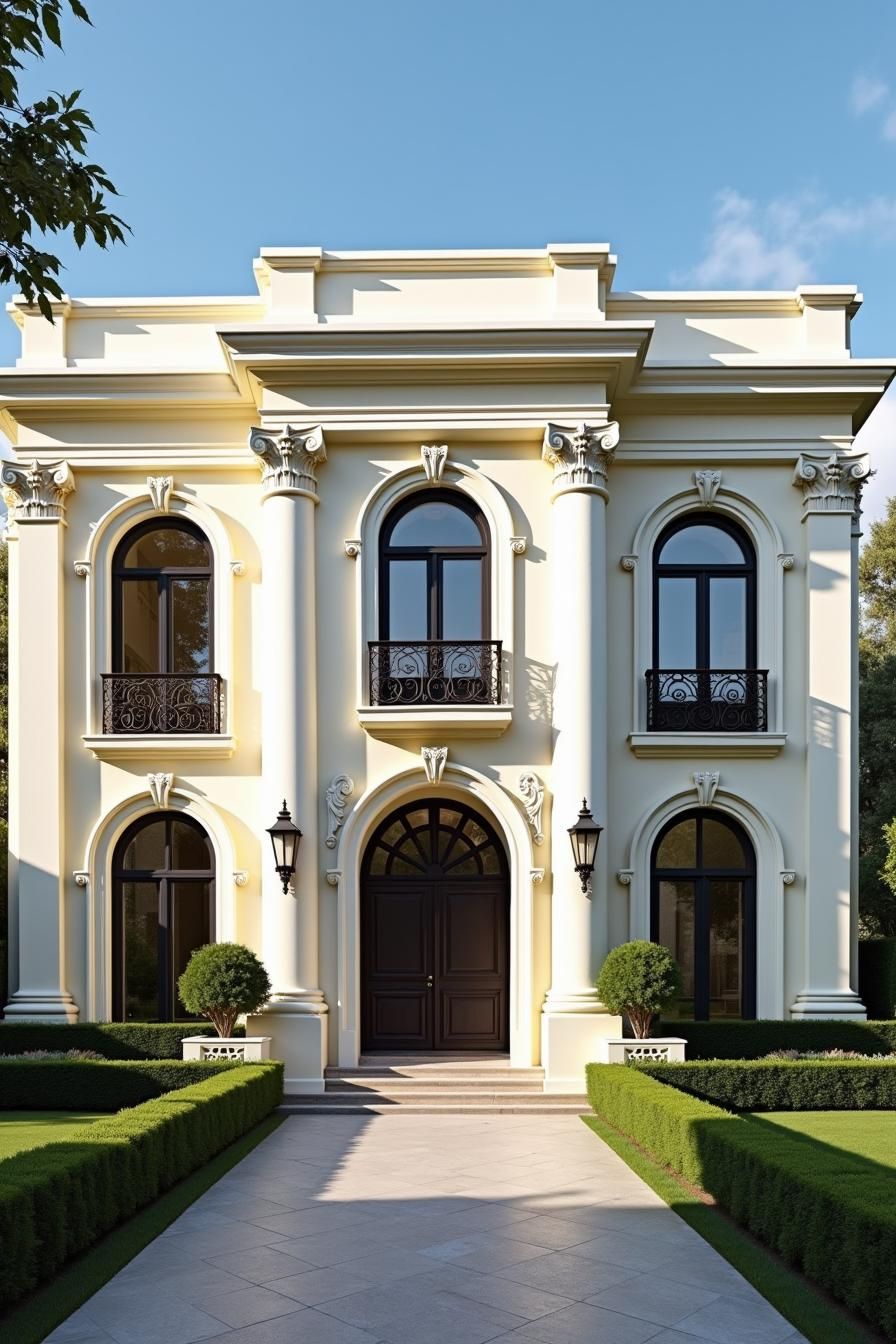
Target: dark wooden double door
<point>434,935</point>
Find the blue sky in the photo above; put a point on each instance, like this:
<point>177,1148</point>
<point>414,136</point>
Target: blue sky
<point>714,145</point>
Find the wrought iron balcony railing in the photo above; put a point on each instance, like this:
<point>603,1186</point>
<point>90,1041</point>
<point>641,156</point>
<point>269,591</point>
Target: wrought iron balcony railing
<point>707,701</point>
<point>435,672</point>
<point>160,702</point>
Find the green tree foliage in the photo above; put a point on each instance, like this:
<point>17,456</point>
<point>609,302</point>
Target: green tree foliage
<point>47,185</point>
<point>4,764</point>
<point>639,979</point>
<point>877,725</point>
<point>221,981</point>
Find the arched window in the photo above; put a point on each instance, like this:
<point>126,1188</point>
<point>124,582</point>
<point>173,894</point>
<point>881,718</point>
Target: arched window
<point>163,881</point>
<point>704,628</point>
<point>163,676</point>
<point>434,605</point>
<point>703,908</point>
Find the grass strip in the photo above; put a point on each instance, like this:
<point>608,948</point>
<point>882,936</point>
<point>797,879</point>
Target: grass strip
<point>31,1322</point>
<point>813,1313</point>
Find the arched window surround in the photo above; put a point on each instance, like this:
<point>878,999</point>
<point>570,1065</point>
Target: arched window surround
<point>699,875</point>
<point>773,881</point>
<point>95,571</point>
<point>504,549</point>
<point>772,562</point>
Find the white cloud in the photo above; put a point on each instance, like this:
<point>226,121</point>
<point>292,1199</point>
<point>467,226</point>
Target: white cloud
<point>867,93</point>
<point>779,243</point>
<point>888,131</point>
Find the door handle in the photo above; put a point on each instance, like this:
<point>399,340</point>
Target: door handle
<point>429,982</point>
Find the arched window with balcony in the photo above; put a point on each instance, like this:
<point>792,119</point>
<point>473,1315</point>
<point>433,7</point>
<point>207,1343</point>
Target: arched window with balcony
<point>703,908</point>
<point>704,675</point>
<point>434,605</point>
<point>163,908</point>
<point>163,678</point>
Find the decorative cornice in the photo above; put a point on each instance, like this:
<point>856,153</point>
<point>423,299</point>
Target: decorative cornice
<point>352,547</point>
<point>706,782</point>
<point>434,457</point>
<point>536,876</point>
<point>830,482</point>
<point>629,563</point>
<point>519,545</point>
<point>339,791</point>
<point>289,460</point>
<point>580,455</point>
<point>788,877</point>
<point>434,759</point>
<point>160,787</point>
<point>237,568</point>
<point>624,876</point>
<point>786,560</point>
<point>82,568</point>
<point>82,877</point>
<point>160,488</point>
<point>708,483</point>
<point>333,876</point>
<point>532,792</point>
<point>37,493</point>
<point>240,877</point>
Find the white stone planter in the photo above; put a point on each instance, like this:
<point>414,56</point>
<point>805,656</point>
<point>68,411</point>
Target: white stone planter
<point>658,1049</point>
<point>245,1048</point>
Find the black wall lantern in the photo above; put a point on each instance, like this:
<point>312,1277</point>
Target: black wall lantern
<point>285,837</point>
<point>584,837</point>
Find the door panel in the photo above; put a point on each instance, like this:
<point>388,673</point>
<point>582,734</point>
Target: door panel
<point>396,940</point>
<point>472,971</point>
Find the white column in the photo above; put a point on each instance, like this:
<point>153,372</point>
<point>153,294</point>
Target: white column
<point>830,483</point>
<point>574,1021</point>
<point>36,499</point>
<point>296,1015</point>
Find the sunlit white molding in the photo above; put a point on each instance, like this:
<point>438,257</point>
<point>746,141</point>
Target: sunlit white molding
<point>338,793</point>
<point>160,787</point>
<point>580,455</point>
<point>706,782</point>
<point>97,871</point>
<point>768,545</point>
<point>831,482</point>
<point>770,864</point>
<point>532,793</point>
<point>708,482</point>
<point>160,488</point>
<point>434,761</point>
<point>488,797</point>
<point>36,493</point>
<point>434,456</point>
<point>289,459</point>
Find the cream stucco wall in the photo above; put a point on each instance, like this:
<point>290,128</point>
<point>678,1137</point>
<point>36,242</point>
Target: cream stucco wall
<point>481,352</point>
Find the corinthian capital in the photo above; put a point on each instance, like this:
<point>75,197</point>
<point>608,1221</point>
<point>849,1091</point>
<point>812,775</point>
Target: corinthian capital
<point>580,455</point>
<point>831,482</point>
<point>289,460</point>
<point>37,492</point>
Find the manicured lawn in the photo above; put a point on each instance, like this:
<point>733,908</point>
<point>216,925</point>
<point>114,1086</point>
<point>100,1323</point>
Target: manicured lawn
<point>31,1129</point>
<point>870,1134</point>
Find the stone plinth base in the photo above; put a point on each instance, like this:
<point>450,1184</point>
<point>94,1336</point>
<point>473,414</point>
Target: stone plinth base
<point>300,1040</point>
<point>569,1041</point>
<point>656,1049</point>
<point>246,1048</point>
<point>829,1004</point>
<point>34,1006</point>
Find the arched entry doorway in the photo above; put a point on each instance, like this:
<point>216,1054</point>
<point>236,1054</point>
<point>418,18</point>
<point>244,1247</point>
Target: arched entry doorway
<point>435,904</point>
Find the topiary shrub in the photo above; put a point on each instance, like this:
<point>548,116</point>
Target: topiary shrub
<point>639,979</point>
<point>223,980</point>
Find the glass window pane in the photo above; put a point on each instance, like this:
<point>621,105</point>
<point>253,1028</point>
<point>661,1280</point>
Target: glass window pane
<point>728,623</point>
<point>678,623</point>
<point>168,547</point>
<point>461,599</point>
<point>491,861</point>
<point>725,948</point>
<point>140,925</point>
<point>146,849</point>
<point>702,544</point>
<point>435,523</point>
<point>190,928</point>
<point>378,862</point>
<point>191,849</point>
<point>140,626</point>
<point>678,848</point>
<point>190,648</point>
<point>408,601</point>
<point>721,847</point>
<point>676,931</point>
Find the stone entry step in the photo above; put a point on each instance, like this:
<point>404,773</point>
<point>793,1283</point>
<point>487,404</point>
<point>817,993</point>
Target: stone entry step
<point>325,1104</point>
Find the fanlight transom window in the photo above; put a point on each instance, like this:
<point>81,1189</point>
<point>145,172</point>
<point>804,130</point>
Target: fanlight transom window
<point>434,839</point>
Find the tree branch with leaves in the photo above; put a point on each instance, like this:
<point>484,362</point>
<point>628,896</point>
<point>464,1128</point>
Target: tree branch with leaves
<point>47,184</point>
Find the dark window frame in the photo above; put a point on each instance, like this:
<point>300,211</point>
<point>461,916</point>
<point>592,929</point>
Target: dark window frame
<point>455,854</point>
<point>166,878</point>
<point>434,557</point>
<point>701,877</point>
<point>703,573</point>
<point>164,576</point>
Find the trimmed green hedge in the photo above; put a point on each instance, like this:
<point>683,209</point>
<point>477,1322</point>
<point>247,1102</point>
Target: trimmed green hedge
<point>877,975</point>
<point>753,1040</point>
<point>57,1200</point>
<point>822,1209</point>
<point>97,1085</point>
<point>784,1085</point>
<point>114,1040</point>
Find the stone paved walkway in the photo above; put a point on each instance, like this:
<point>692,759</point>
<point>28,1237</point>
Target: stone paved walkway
<point>409,1229</point>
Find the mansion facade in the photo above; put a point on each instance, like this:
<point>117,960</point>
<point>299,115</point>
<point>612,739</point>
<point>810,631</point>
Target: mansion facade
<point>425,548</point>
